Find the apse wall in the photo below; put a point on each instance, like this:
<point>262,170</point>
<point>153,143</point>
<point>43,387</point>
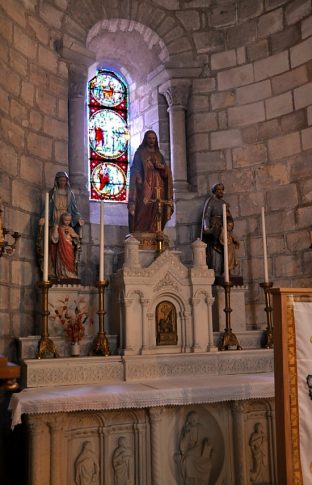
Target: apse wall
<point>249,125</point>
<point>33,140</point>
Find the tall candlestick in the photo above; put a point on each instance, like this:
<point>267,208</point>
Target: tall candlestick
<point>265,254</point>
<point>101,269</point>
<point>46,240</point>
<point>226,249</point>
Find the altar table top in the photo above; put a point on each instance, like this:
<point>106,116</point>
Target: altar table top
<point>163,392</point>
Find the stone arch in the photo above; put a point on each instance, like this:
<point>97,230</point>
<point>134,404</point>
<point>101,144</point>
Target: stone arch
<point>83,18</point>
<point>137,33</point>
<point>142,50</point>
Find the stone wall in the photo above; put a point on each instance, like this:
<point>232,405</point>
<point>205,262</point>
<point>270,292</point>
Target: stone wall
<point>249,124</point>
<point>33,146</point>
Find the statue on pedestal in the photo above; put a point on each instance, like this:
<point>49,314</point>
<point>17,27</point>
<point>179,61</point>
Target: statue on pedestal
<point>65,224</point>
<point>212,231</point>
<point>150,203</point>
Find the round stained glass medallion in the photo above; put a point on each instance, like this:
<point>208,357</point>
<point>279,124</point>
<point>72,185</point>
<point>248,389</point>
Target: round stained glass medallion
<point>108,180</point>
<point>107,90</point>
<point>108,134</point>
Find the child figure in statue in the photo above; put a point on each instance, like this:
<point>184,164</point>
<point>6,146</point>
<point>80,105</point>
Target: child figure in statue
<point>232,242</point>
<point>64,244</point>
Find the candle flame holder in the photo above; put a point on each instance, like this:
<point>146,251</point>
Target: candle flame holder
<point>228,338</point>
<point>46,346</point>
<point>268,333</point>
<point>100,344</point>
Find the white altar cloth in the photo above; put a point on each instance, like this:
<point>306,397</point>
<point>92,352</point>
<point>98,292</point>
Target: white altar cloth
<point>143,394</point>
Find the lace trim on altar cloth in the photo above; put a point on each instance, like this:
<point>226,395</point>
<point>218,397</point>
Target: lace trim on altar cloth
<point>164,392</point>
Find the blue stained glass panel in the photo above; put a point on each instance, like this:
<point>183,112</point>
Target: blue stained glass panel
<point>108,134</point>
<point>108,90</point>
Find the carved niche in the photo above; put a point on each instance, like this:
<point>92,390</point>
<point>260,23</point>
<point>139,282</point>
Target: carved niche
<point>166,323</point>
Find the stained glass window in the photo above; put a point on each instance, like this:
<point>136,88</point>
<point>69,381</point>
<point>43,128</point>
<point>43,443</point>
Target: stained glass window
<point>108,137</point>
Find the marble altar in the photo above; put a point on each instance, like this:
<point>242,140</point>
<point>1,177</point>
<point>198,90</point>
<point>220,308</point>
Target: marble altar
<point>167,408</point>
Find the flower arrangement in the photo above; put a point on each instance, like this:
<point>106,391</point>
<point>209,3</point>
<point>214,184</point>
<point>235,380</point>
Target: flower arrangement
<point>73,317</point>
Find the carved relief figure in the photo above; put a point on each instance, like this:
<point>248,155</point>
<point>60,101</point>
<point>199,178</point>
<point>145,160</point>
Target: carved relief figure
<point>212,224</point>
<point>122,463</point>
<point>195,457</point>
<point>166,324</point>
<point>257,448</point>
<point>150,179</point>
<point>61,200</point>
<point>86,466</point>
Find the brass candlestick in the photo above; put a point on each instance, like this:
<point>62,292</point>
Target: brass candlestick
<point>268,333</point>
<point>160,241</point>
<point>46,346</point>
<point>101,345</point>
<point>228,338</point>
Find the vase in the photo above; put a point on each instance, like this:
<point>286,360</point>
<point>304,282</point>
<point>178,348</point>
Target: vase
<point>75,349</point>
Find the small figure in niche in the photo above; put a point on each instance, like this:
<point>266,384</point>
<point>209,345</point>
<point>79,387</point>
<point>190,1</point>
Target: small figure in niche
<point>86,467</point>
<point>122,461</point>
<point>256,444</point>
<point>166,324</point>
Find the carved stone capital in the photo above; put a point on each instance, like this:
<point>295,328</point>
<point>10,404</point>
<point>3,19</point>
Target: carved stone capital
<point>144,301</point>
<point>155,414</point>
<point>77,83</point>
<point>176,94</point>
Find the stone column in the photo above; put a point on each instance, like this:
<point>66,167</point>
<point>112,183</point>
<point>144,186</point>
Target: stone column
<point>140,445</point>
<point>156,444</point>
<point>177,94</point>
<point>196,321</point>
<point>57,451</point>
<point>129,342</point>
<point>145,324</point>
<point>150,334</point>
<point>78,143</point>
<point>241,452</point>
<point>39,467</point>
<point>211,346</point>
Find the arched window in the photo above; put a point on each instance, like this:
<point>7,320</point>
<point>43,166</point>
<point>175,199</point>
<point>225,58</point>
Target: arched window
<point>108,137</point>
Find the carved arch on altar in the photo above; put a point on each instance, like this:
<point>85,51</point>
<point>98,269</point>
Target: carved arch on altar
<point>183,315</point>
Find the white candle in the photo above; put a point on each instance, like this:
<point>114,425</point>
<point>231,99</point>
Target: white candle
<point>101,269</point>
<point>226,249</point>
<point>265,254</point>
<point>46,240</point>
